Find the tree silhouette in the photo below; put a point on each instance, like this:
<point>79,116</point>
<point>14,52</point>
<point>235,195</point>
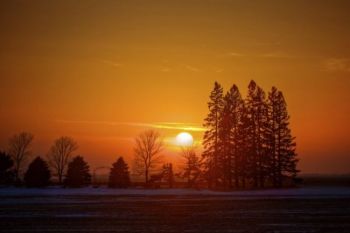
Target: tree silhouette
<point>211,136</point>
<point>6,165</point>
<point>191,170</point>
<point>168,174</point>
<point>119,176</point>
<point>147,153</point>
<point>281,143</point>
<point>60,154</point>
<point>38,174</point>
<point>248,141</point>
<point>257,113</point>
<point>19,150</point>
<point>78,173</point>
<point>230,120</point>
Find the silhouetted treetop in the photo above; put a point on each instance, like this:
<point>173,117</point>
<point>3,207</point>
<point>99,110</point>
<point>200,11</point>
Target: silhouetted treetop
<point>78,173</point>
<point>38,173</point>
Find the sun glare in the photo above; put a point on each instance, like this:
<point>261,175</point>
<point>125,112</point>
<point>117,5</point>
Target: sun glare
<point>184,139</point>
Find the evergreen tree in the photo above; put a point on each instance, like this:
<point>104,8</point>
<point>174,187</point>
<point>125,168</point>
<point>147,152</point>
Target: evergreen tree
<point>211,136</point>
<point>168,174</point>
<point>119,176</point>
<point>230,120</point>
<point>192,166</point>
<point>38,174</point>
<point>78,173</point>
<point>6,166</point>
<point>257,116</point>
<point>244,144</point>
<point>281,144</point>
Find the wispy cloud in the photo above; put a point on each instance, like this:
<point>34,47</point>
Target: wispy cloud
<point>192,68</point>
<point>112,63</point>
<point>337,65</point>
<point>273,54</point>
<point>158,125</point>
<point>234,54</point>
<point>165,69</point>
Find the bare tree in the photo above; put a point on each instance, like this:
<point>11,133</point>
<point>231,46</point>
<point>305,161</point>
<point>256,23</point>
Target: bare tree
<point>19,150</point>
<point>148,146</point>
<point>59,155</point>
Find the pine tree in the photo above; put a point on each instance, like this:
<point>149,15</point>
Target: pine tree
<point>257,114</point>
<point>38,174</point>
<point>119,176</point>
<point>6,166</point>
<point>78,173</point>
<point>230,121</point>
<point>281,144</point>
<point>211,136</point>
<point>244,144</point>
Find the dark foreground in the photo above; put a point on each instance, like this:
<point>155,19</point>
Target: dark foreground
<point>173,214</point>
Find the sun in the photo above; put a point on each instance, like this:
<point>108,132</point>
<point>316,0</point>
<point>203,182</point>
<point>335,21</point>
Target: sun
<point>184,139</point>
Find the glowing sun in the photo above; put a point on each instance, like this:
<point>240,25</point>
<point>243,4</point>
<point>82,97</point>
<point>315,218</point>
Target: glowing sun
<point>184,139</point>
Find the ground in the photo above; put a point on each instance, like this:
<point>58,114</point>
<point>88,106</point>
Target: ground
<point>104,210</point>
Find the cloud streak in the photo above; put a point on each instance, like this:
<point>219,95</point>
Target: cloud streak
<point>158,125</point>
<point>337,64</point>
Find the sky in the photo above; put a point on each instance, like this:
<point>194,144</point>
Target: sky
<point>104,71</point>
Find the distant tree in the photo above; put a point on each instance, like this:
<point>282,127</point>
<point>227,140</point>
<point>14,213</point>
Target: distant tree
<point>147,153</point>
<point>60,154</point>
<point>78,173</point>
<point>119,176</point>
<point>19,150</point>
<point>191,169</point>
<point>211,136</point>
<point>281,144</point>
<point>168,174</point>
<point>6,172</point>
<point>38,174</point>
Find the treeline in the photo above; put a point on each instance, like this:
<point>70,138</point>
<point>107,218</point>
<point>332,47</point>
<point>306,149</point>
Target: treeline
<point>70,171</point>
<point>248,142</point>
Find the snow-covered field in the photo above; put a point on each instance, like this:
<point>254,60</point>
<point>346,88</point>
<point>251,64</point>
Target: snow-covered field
<point>55,209</point>
<point>304,192</point>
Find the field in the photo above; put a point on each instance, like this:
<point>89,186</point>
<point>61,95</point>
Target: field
<point>103,210</point>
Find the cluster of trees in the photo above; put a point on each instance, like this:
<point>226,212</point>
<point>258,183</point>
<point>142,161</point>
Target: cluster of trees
<point>248,141</point>
<point>70,171</point>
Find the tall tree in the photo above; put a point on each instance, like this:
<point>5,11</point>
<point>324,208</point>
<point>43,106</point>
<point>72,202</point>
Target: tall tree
<point>78,173</point>
<point>38,174</point>
<point>119,176</point>
<point>19,150</point>
<point>6,165</point>
<point>281,144</point>
<point>148,146</point>
<point>191,169</point>
<point>211,136</point>
<point>230,120</point>
<point>257,113</point>
<point>60,154</point>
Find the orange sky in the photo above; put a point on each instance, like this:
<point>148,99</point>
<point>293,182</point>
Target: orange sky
<point>103,71</point>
